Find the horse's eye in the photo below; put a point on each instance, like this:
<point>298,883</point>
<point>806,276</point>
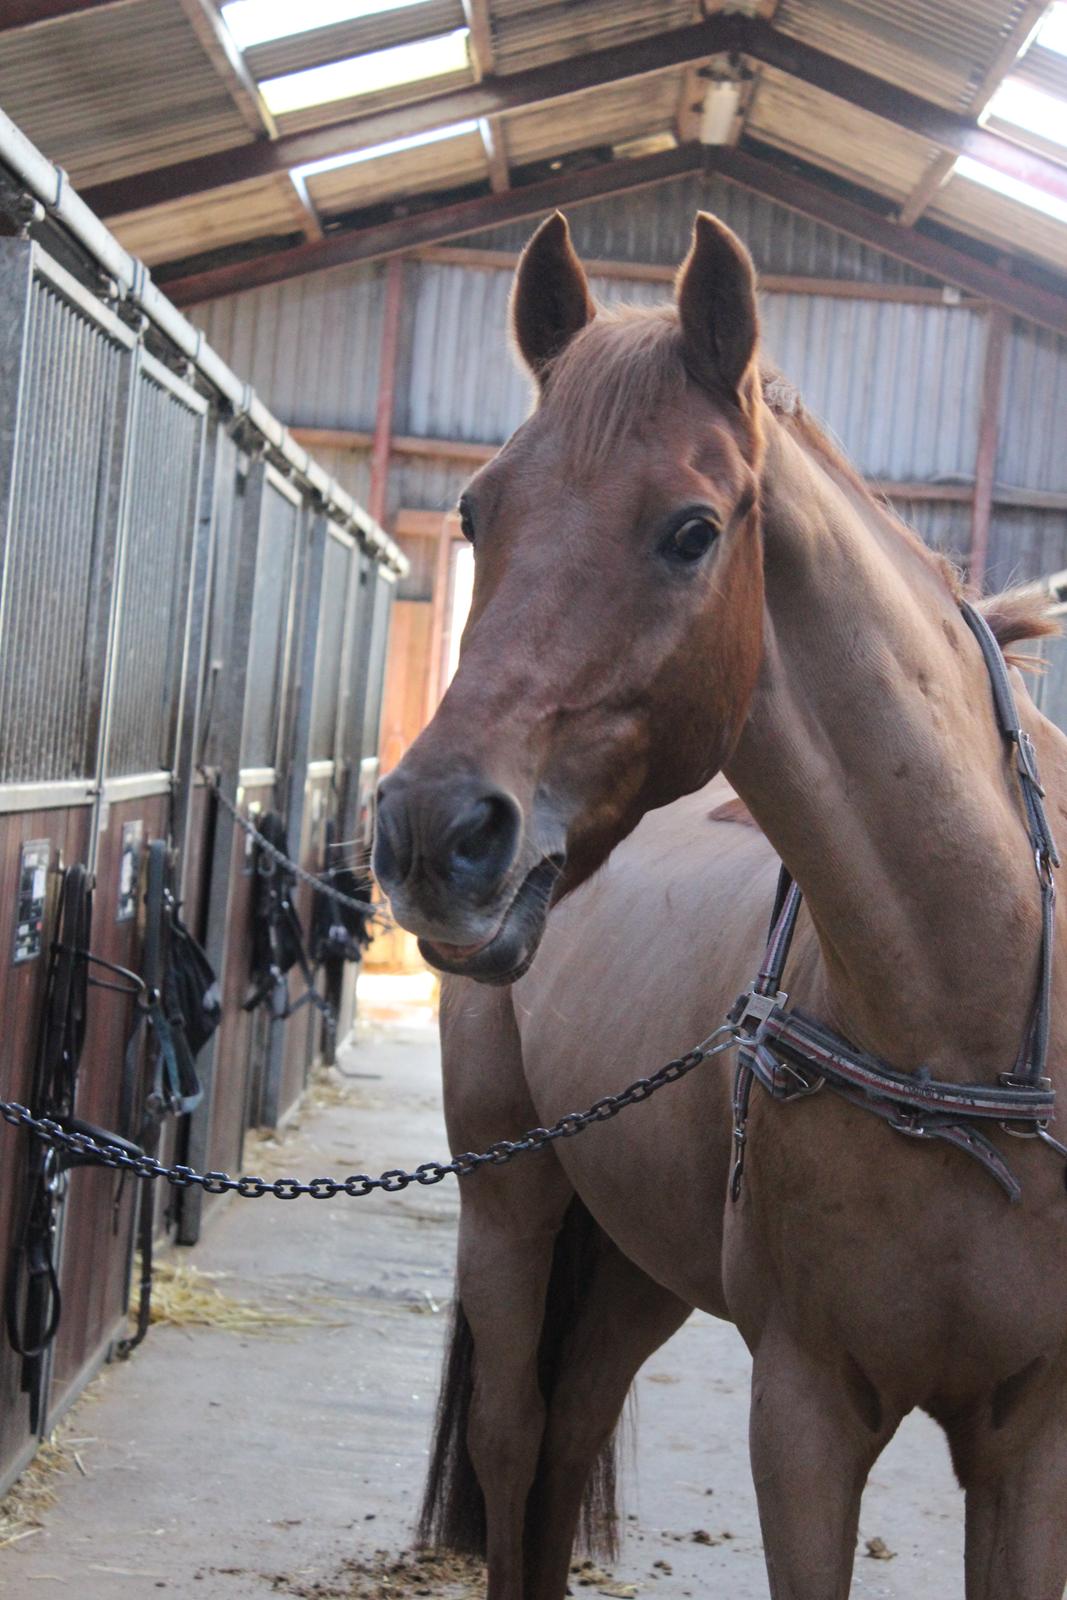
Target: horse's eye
<point>466,521</point>
<point>691,540</point>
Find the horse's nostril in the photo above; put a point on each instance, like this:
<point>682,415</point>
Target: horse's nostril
<point>483,841</point>
<point>392,842</point>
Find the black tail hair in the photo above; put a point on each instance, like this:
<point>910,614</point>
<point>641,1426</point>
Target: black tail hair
<point>453,1508</point>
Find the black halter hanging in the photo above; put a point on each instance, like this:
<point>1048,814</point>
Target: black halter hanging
<point>793,1055</point>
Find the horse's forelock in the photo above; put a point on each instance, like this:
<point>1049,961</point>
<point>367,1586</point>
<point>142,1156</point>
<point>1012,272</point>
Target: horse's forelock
<point>613,377</point>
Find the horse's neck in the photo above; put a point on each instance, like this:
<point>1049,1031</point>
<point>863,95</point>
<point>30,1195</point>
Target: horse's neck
<point>872,761</point>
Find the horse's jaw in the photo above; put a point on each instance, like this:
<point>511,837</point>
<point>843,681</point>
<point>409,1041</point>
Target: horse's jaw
<point>506,953</point>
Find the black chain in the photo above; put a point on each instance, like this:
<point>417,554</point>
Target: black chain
<point>106,1154</point>
<point>366,908</point>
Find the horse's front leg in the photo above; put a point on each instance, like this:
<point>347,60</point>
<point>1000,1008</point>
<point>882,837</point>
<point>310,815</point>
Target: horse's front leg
<point>491,1412</point>
<point>1010,1454</point>
<point>815,1432</point>
<point>623,1318</point>
<point>507,1238</point>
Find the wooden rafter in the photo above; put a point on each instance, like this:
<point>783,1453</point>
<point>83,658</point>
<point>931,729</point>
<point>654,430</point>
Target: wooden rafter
<point>500,94</point>
<point>26,13</point>
<point>230,64</point>
<point>490,129</point>
<point>443,222</point>
<point>940,168</point>
<point>954,266</point>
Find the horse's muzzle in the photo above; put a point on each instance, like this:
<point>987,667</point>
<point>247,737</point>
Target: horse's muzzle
<point>461,873</point>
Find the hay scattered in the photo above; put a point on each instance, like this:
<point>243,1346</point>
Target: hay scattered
<point>185,1297</point>
<point>389,1576</point>
<point>22,1511</point>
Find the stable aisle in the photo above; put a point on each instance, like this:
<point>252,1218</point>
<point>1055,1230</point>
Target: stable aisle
<point>286,1458</point>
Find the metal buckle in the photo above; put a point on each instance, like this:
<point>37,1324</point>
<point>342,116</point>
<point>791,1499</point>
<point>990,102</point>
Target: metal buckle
<point>758,1007</point>
<point>1011,1080</point>
<point>804,1088</point>
<point>909,1125</point>
<point>1028,760</point>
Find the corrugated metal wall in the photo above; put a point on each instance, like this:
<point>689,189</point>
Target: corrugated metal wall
<point>898,384</point>
<point>309,346</point>
<point>655,225</point>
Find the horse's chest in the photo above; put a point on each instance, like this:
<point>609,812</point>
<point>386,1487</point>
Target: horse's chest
<point>903,1255</point>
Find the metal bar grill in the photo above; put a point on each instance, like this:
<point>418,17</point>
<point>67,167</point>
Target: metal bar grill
<point>329,659</point>
<point>271,607</point>
<point>65,476</point>
<point>159,521</point>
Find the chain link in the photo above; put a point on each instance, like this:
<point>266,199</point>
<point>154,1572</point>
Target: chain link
<point>100,1151</point>
<point>366,908</point>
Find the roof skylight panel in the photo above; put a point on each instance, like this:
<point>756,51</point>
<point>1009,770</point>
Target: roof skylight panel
<point>401,64</point>
<point>372,152</point>
<point>1026,194</point>
<point>253,22</point>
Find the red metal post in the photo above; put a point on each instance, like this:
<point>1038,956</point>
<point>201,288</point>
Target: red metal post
<point>985,465</point>
<point>383,418</point>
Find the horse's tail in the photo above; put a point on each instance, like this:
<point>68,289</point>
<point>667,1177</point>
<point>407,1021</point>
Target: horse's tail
<point>453,1509</point>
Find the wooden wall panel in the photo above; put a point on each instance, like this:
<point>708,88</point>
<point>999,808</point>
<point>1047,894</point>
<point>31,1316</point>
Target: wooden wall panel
<point>100,1206</point>
<point>21,996</point>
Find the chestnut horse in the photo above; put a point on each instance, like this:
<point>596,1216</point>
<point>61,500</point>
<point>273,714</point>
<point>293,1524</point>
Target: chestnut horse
<point>677,576</point>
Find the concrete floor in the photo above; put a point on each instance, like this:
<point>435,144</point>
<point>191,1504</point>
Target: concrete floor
<point>235,1467</point>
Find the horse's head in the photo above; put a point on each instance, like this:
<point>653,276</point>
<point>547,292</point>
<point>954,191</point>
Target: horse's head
<point>615,632</point>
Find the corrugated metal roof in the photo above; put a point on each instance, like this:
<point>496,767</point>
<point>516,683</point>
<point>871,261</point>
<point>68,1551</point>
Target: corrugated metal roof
<point>818,127</point>
<point>264,207</point>
<point>596,117</point>
<point>117,90</point>
<point>309,347</point>
<point>1004,223</point>
<point>125,87</point>
<point>529,33</point>
<point>936,48</point>
<point>365,104</point>
<point>445,164</point>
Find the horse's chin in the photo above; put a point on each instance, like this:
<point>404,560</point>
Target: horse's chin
<point>508,953</point>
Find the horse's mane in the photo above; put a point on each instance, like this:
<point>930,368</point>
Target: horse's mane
<point>627,363</point>
<point>1013,614</point>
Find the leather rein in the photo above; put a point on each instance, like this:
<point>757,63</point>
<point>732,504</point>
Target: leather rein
<point>793,1056</point>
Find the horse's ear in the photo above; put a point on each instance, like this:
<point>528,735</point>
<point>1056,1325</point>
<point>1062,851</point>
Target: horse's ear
<point>550,302</point>
<point>716,294</point>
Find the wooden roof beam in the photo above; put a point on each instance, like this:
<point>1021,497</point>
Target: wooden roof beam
<point>517,91</point>
<point>376,242</point>
<point>26,13</point>
<point>490,129</point>
<point>1015,44</point>
<point>918,250</point>
<point>230,64</point>
<point>777,183</point>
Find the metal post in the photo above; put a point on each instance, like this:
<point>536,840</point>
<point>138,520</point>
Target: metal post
<point>294,760</point>
<point>194,667</point>
<point>229,720</point>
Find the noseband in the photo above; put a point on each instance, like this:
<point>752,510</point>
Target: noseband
<point>792,1055</point>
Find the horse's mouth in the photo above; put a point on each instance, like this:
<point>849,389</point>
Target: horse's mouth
<point>506,953</point>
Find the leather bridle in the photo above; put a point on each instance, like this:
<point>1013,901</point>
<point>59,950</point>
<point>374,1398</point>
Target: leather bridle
<point>792,1055</point>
